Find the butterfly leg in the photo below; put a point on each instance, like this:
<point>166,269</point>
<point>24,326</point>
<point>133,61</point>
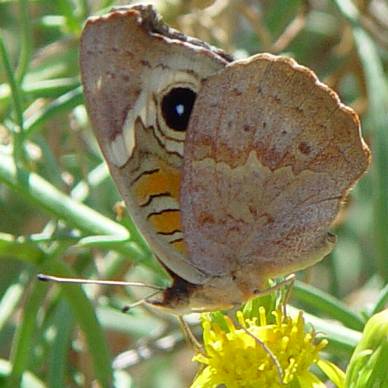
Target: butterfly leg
<point>198,348</point>
<point>287,283</point>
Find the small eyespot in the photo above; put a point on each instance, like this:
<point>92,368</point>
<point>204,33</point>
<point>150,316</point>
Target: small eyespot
<point>177,105</point>
<point>304,148</point>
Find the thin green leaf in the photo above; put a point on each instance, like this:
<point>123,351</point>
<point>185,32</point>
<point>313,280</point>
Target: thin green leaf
<point>62,104</point>
<point>327,304</point>
<point>28,380</point>
<point>16,93</point>
<point>11,299</point>
<point>38,190</point>
<point>23,343</point>
<point>57,359</point>
<point>382,301</point>
<point>20,248</point>
<point>377,89</point>
<point>26,44</point>
<point>85,315</point>
<point>42,88</point>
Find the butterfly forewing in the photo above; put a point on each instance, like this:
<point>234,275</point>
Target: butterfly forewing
<point>133,69</point>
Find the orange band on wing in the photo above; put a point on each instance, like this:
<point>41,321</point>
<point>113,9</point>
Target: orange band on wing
<point>164,180</point>
<point>161,182</point>
<point>166,222</point>
<point>180,246</point>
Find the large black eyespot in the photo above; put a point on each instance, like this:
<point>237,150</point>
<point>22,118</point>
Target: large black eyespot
<point>176,107</point>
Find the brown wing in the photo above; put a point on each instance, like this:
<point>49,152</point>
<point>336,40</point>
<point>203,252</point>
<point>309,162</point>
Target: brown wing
<point>130,62</point>
<point>270,152</point>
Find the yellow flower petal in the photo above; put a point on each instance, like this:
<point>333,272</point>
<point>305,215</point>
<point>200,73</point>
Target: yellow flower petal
<point>204,380</point>
<point>335,374</point>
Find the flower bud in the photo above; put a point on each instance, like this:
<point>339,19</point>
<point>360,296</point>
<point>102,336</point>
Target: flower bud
<point>368,365</point>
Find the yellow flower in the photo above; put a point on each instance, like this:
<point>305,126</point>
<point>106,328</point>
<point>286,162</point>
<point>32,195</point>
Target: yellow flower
<point>255,353</point>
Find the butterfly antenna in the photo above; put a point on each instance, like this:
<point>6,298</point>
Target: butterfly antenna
<point>58,279</point>
<point>274,359</point>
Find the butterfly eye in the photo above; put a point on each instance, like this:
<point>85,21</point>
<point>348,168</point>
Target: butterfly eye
<point>177,105</point>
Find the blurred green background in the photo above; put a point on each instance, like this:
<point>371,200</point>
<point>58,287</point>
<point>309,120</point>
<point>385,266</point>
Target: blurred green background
<point>58,210</point>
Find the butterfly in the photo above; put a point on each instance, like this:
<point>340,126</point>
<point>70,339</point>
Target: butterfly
<point>233,170</point>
